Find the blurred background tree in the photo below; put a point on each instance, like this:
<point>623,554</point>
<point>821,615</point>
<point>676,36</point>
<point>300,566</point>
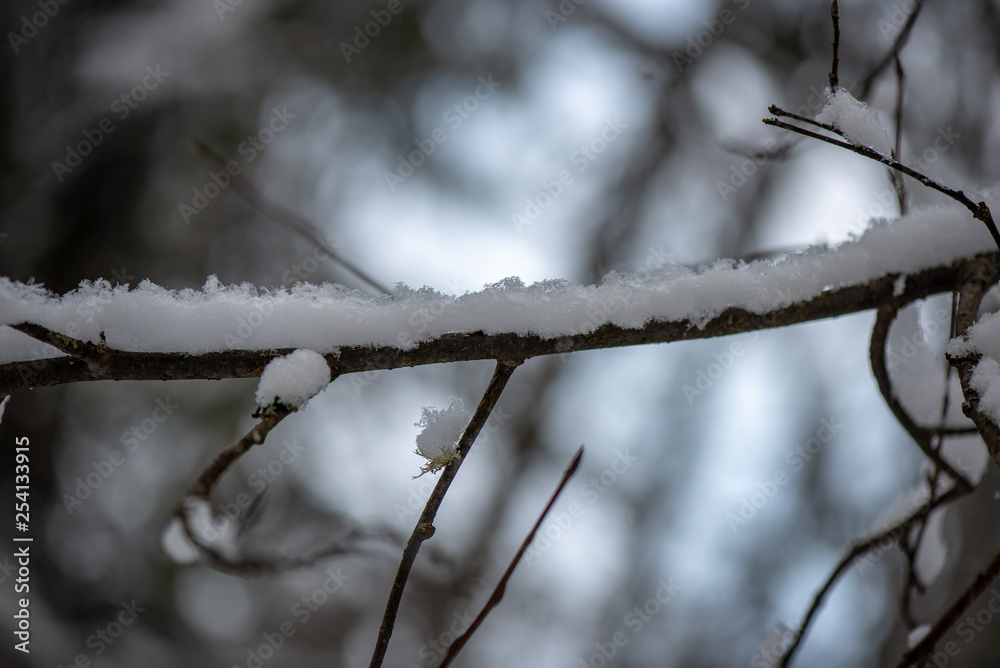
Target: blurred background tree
<point>453,144</point>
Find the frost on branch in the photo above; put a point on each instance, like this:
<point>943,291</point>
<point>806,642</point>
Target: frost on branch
<point>439,435</point>
<point>858,122</point>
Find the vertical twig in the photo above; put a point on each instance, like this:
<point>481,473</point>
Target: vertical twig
<point>424,528</point>
<point>835,16</point>
<point>501,587</point>
<point>897,178</point>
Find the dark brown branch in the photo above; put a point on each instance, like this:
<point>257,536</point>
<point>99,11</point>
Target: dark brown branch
<point>501,587</point>
<point>920,435</point>
<point>124,365</point>
<point>980,211</point>
<point>860,548</point>
<point>951,615</point>
<point>424,528</point>
<point>202,487</point>
<point>979,278</point>
<point>96,355</point>
<point>835,16</point>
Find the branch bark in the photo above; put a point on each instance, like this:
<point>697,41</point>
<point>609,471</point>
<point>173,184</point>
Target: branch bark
<point>125,365</point>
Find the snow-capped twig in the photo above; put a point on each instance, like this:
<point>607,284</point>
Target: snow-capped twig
<point>494,600</point>
<point>979,210</point>
<point>424,528</point>
<point>97,356</point>
<point>981,276</point>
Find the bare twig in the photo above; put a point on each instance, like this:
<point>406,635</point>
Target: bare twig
<point>278,214</point>
<point>952,614</point>
<point>424,528</point>
<point>860,548</point>
<point>897,46</point>
<point>979,210</point>
<point>835,16</point>
<point>501,587</point>
<point>922,437</point>
<point>96,355</point>
<point>897,179</point>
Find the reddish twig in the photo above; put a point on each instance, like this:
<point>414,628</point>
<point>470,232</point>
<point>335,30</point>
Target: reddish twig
<point>501,587</point>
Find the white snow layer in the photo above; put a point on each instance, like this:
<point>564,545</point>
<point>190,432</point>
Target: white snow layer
<point>293,379</point>
<point>325,317</point>
<point>441,429</point>
<point>858,122</point>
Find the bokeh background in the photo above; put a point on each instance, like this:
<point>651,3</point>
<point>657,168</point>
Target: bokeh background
<point>424,151</point>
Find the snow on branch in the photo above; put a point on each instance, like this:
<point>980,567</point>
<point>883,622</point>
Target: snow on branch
<point>101,332</point>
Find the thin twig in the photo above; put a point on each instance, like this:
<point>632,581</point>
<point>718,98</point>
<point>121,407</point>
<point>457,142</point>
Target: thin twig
<point>424,528</point>
<point>782,113</point>
<point>835,16</point>
<point>278,214</point>
<point>897,46</point>
<point>951,615</point>
<point>858,549</point>
<point>501,587</point>
<point>980,211</point>
<point>880,335</point>
<point>897,180</point>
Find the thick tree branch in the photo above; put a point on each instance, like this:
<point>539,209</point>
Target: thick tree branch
<point>124,365</point>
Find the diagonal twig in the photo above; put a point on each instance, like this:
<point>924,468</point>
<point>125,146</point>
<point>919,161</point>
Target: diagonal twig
<point>858,549</point>
<point>278,214</point>
<point>952,614</point>
<point>501,587</point>
<point>979,210</point>
<point>424,528</point>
